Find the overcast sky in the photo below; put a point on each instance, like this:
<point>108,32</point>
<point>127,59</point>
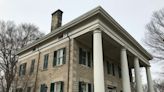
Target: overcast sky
<point>133,15</point>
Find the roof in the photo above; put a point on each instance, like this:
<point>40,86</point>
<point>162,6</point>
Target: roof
<point>97,10</point>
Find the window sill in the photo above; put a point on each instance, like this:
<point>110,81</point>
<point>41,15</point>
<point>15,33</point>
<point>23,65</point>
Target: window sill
<point>85,66</point>
<point>21,76</point>
<point>45,69</point>
<point>58,66</point>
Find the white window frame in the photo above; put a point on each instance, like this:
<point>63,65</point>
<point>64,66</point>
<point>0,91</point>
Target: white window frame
<point>86,87</point>
<point>22,69</point>
<point>57,86</point>
<point>60,57</point>
<point>85,63</point>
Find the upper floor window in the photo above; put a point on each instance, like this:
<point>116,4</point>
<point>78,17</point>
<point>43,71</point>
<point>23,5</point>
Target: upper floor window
<point>110,68</point>
<point>28,89</point>
<point>59,57</point>
<point>43,88</point>
<point>85,87</point>
<point>84,57</point>
<point>32,66</point>
<point>57,87</point>
<point>19,90</point>
<point>45,64</point>
<point>22,69</point>
<point>119,72</point>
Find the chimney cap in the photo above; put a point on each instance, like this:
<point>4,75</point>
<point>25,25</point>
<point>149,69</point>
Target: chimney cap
<point>57,11</point>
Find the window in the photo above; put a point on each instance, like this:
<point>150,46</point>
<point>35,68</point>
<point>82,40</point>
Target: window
<point>119,72</point>
<point>85,87</point>
<point>109,68</point>
<point>22,69</point>
<point>113,68</point>
<point>59,57</point>
<point>43,88</point>
<point>32,66</point>
<point>57,87</point>
<point>28,89</point>
<point>111,89</point>
<point>45,65</point>
<point>19,90</point>
<point>84,57</point>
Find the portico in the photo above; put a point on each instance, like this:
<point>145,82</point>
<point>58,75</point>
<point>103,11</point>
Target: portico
<point>104,46</point>
<point>98,67</point>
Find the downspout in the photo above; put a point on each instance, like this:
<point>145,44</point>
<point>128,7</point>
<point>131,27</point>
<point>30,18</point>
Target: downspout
<point>37,71</point>
<point>69,48</point>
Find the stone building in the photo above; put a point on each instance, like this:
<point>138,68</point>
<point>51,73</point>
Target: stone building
<point>92,53</point>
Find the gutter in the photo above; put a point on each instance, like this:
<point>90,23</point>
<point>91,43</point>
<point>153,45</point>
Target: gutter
<point>37,71</point>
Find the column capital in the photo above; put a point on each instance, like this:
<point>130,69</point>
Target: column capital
<point>136,58</point>
<point>123,49</point>
<point>97,29</point>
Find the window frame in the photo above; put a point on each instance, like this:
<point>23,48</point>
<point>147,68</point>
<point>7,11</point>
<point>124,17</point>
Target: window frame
<point>43,88</point>
<point>59,57</point>
<point>110,68</point>
<point>57,86</point>
<point>86,85</point>
<point>32,67</point>
<point>29,89</point>
<point>22,69</point>
<point>85,57</point>
<point>45,63</point>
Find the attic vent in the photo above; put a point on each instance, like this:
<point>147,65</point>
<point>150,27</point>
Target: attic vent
<point>63,35</point>
<point>34,49</point>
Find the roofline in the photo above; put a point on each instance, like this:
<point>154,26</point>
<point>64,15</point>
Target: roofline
<point>62,28</point>
<point>81,18</point>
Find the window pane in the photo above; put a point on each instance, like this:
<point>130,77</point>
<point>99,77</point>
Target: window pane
<point>89,59</point>
<point>60,56</point>
<point>54,59</point>
<point>84,57</point>
<point>28,89</point>
<point>32,66</point>
<point>83,86</point>
<point>45,61</point>
<point>113,69</point>
<point>52,87</point>
<point>58,85</point>
<point>89,87</point>
<point>80,55</point>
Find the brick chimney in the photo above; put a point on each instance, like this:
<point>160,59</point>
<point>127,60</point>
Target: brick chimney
<point>56,21</point>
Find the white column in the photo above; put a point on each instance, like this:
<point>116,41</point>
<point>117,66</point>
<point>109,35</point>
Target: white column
<point>98,62</point>
<point>125,71</point>
<point>149,80</point>
<point>137,75</point>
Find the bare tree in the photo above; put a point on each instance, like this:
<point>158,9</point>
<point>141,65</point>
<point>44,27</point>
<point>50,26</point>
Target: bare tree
<point>12,38</point>
<point>154,37</point>
<point>158,86</point>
